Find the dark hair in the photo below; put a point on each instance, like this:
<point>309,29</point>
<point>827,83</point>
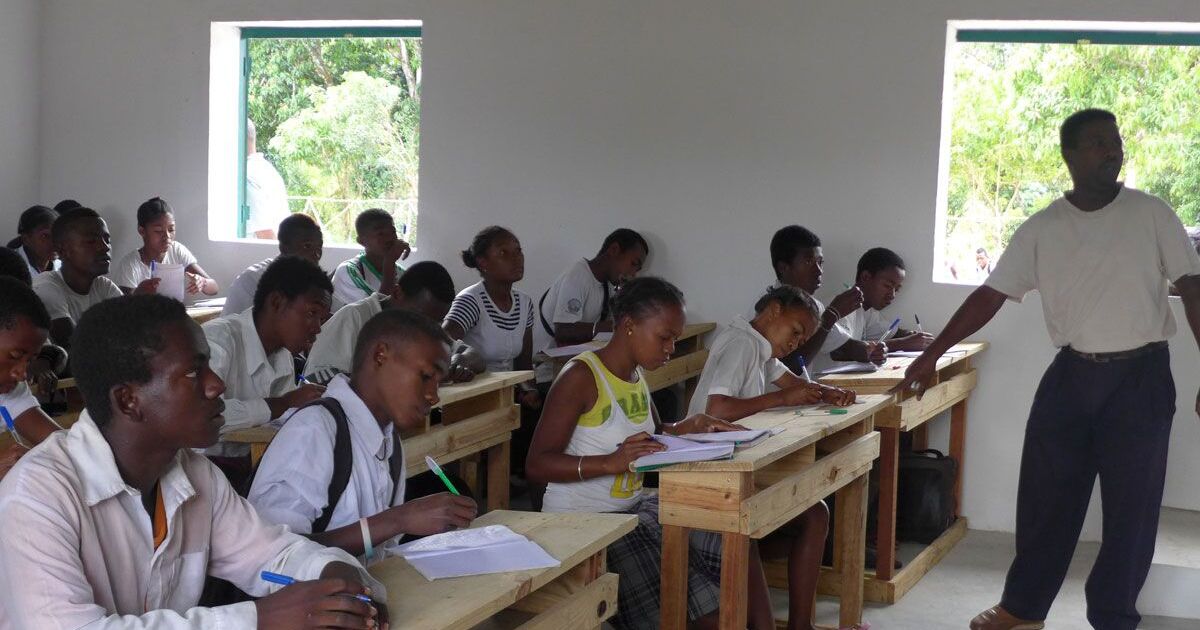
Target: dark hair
<point>878,259</point>
<point>35,217</point>
<point>1068,134</point>
<point>67,220</point>
<point>625,239</point>
<point>643,296</point>
<point>18,300</point>
<point>368,219</point>
<point>114,342</point>
<point>295,227</point>
<point>427,276</point>
<point>788,241</point>
<point>981,251</point>
<point>291,276</point>
<point>482,241</point>
<point>397,323</point>
<point>788,297</point>
<point>151,210</point>
<point>12,265</point>
<point>66,204</point>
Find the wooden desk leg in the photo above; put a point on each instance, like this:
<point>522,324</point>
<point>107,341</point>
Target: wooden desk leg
<point>735,572</point>
<point>674,578</point>
<point>958,448</point>
<point>851,523</point>
<point>885,542</point>
<point>497,476</point>
<point>468,469</point>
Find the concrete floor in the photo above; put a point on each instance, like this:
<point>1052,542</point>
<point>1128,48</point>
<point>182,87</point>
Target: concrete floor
<point>970,580</point>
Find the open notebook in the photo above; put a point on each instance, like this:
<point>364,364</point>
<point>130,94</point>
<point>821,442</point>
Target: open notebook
<point>476,551</point>
<point>740,439</point>
<point>680,450</point>
<point>850,367</point>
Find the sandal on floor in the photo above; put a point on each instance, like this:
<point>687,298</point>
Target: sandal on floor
<point>996,618</point>
<point>862,626</point>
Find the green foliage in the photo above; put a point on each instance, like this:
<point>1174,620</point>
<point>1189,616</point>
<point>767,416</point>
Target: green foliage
<point>1009,101</point>
<point>340,119</point>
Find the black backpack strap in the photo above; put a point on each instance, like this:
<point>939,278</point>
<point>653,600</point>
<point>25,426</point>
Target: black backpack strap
<point>604,305</point>
<point>542,316</point>
<point>396,464</point>
<point>343,461</point>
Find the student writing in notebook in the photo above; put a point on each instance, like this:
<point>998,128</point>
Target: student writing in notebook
<point>116,523</point>
<point>156,227</point>
<point>50,361</point>
<point>82,241</point>
<point>399,359</point>
<point>24,326</point>
<point>598,418</point>
<point>376,269</point>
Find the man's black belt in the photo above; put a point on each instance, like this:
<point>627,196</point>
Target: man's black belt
<point>1105,357</point>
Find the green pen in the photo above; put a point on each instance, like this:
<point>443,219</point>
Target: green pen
<point>838,412</point>
<point>437,470</point>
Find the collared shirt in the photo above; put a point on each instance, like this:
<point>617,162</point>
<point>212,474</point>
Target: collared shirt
<point>62,302</point>
<point>34,271</point>
<point>837,335</point>
<point>333,351</point>
<point>241,292</point>
<point>78,544</point>
<point>250,376</point>
<point>130,271</point>
<point>864,324</point>
<point>1102,275</point>
<point>17,401</point>
<point>738,365</point>
<point>266,195</point>
<point>356,279</point>
<point>292,495</point>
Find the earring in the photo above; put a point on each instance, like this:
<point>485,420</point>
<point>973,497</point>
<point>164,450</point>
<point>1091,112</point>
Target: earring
<point>629,332</point>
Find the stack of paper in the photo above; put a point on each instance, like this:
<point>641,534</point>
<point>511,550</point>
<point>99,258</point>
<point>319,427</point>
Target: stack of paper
<point>680,450</point>
<point>739,439</point>
<point>479,551</point>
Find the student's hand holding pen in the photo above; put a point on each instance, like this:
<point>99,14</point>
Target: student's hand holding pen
<point>806,393</point>
<point>877,352</point>
<point>837,396</point>
<point>147,287</point>
<point>434,514</point>
<point>913,342</point>
<point>847,301</point>
<point>702,423</point>
<point>632,448</point>
<point>329,602</point>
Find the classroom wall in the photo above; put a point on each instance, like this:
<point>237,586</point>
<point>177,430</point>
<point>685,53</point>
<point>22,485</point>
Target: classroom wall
<point>19,64</point>
<point>705,124</point>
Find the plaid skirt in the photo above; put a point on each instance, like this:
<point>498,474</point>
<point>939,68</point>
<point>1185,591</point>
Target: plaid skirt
<point>637,559</point>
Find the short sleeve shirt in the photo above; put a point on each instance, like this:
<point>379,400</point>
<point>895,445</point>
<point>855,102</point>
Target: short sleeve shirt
<point>739,365</point>
<point>497,335</point>
<point>130,271</point>
<point>576,296</point>
<point>62,302</point>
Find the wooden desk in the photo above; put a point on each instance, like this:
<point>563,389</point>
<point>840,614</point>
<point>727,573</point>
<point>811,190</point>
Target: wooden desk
<point>956,378</point>
<point>577,594</point>
<point>201,314</point>
<point>764,487</point>
<point>477,417</point>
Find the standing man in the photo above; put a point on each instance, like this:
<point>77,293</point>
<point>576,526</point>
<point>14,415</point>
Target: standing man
<point>1101,257</point>
<point>266,194</point>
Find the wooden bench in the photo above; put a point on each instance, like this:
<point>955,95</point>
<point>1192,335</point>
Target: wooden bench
<point>578,594</point>
<point>477,417</point>
<point>956,378</point>
<point>760,489</point>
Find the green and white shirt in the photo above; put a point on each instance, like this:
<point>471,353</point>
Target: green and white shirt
<point>357,279</point>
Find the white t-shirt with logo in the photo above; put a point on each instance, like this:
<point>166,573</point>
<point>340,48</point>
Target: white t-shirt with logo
<point>576,296</point>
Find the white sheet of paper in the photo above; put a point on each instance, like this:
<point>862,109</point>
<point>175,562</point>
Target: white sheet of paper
<point>210,303</point>
<point>726,437</point>
<point>171,282</point>
<point>568,351</point>
<point>477,551</point>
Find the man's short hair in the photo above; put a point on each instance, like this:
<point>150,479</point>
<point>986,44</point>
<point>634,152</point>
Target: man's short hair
<point>66,204</point>
<point>12,265</point>
<point>295,227</point>
<point>35,217</point>
<point>151,210</point>
<point>427,276</point>
<point>17,299</point>
<point>114,342</point>
<point>625,239</point>
<point>878,259</point>
<point>291,276</point>
<point>788,297</point>
<point>399,324</point>
<point>367,220</point>
<point>788,241</point>
<point>67,221</point>
<point>1068,134</point>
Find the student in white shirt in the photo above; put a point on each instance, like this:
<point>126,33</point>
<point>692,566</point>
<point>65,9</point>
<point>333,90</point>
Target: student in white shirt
<point>252,351</point>
<point>575,307</point>
<point>266,192</point>
<point>33,241</point>
<point>156,226</point>
<point>116,523</point>
<point>24,326</point>
<point>299,235</point>
<point>82,241</point>
<point>376,269</point>
<point>1101,257</point>
<point>399,359</point>
<point>425,288</point>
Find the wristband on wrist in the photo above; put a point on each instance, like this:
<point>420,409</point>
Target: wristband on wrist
<point>368,548</point>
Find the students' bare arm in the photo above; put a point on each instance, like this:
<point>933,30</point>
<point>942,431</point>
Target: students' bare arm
<point>860,351</point>
<point>433,514</point>
<point>1189,292</point>
<point>303,394</point>
<point>579,332</point>
<point>845,303</point>
<point>34,425</point>
<point>198,281</point>
<point>827,394</point>
<point>978,309</point>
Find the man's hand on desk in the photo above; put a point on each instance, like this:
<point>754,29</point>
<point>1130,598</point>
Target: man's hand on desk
<point>919,374</point>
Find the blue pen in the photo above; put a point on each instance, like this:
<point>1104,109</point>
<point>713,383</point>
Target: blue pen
<point>151,267</point>
<point>276,578</point>
<point>804,370</point>
<point>891,329</point>
<point>8,421</point>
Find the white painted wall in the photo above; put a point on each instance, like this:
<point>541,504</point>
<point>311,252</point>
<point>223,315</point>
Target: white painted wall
<point>19,65</point>
<point>706,124</point>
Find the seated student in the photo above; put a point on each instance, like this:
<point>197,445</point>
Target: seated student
<point>600,401</point>
<point>33,240</point>
<point>116,523</point>
<point>376,269</point>
<point>252,351</point>
<point>156,226</point>
<point>399,359</point>
<point>51,361</point>
<point>797,259</point>
<point>299,235</point>
<point>426,288</point>
<point>81,239</point>
<point>24,326</point>
<point>575,307</point>
<point>880,276</point>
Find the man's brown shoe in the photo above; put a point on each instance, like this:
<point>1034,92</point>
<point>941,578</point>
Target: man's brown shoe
<point>996,618</point>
